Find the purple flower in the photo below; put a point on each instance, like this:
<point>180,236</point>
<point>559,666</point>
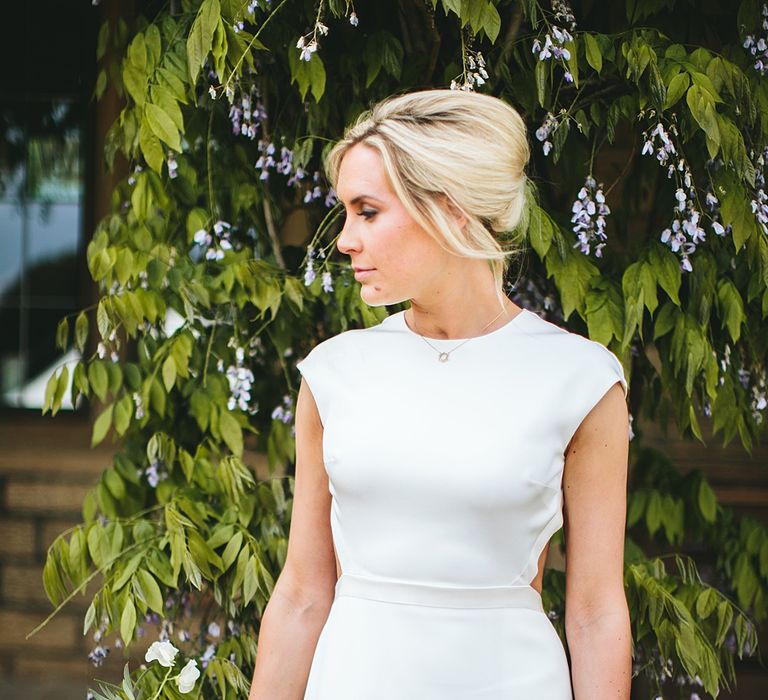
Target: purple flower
<point>97,655</point>
<point>589,212</point>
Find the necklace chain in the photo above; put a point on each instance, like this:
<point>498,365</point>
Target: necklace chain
<point>442,356</point>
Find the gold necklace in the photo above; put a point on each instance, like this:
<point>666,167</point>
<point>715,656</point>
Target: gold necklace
<point>443,355</point>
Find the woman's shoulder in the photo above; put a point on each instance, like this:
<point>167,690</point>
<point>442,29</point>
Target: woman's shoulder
<point>572,350</point>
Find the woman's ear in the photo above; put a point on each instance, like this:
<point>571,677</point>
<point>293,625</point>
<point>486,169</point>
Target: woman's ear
<point>455,212</point>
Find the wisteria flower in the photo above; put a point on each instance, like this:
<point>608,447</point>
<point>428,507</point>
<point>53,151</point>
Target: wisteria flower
<point>760,202</point>
<point>659,143</point>
<point>162,652</point>
<point>758,45</point>
<point>327,282</point>
<point>240,380</point>
<point>555,40</point>
<point>474,74</point>
<point>97,655</point>
<point>589,212</point>
<point>187,677</point>
<point>284,412</point>
<point>307,49</point>
<point>210,652</point>
<point>548,126</point>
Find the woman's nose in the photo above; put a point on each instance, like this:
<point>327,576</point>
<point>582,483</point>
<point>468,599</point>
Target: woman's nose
<point>347,242</point>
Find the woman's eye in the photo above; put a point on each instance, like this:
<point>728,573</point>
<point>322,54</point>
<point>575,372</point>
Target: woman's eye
<point>367,213</point>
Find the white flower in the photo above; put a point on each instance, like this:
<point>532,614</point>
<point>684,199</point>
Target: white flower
<point>162,652</point>
<point>187,677</point>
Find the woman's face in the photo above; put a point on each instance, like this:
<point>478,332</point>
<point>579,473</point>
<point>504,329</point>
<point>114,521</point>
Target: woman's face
<point>380,235</point>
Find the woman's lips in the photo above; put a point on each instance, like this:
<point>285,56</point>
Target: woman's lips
<point>362,274</point>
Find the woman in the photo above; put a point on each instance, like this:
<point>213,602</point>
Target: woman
<point>438,451</point>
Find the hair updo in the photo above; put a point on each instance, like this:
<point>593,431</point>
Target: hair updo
<point>467,147</point>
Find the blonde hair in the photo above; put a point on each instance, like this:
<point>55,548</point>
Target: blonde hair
<point>468,147</point>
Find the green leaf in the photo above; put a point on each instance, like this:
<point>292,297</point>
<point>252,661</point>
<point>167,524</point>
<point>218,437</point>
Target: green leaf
<point>736,210</point>
<point>592,48</point>
<point>61,387</point>
<point>150,591</point>
<point>151,148</point>
<point>173,83</point>
<point>81,331</point>
<point>137,52</point>
<point>702,107</point>
<point>731,308</point>
<point>724,618</point>
<point>200,38</point>
<point>52,580</point>
<point>123,414</point>
<point>251,580</point>
<point>231,432</point>
<point>541,73</point>
<point>219,48</point>
<point>101,425</point>
<point>50,391</point>
<point>676,89</point>
<point>128,621</point>
<point>90,617</point>
<point>540,231</point>
<point>707,501</point>
<point>653,513</point>
<point>62,333</point>
<point>666,271</point>
<point>168,103</point>
<point>98,545</point>
<point>97,375</point>
<point>127,571</point>
<point>169,373</point>
<point>572,275</point>
<point>126,685</point>
<point>317,76</point>
<point>135,83</point>
<point>153,45</point>
<point>232,550</point>
<point>490,22</point>
<point>162,126</point>
<point>187,464</point>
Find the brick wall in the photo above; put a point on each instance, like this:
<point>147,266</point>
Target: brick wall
<point>46,467</point>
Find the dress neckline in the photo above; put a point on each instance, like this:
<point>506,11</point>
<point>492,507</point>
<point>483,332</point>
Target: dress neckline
<point>400,317</point>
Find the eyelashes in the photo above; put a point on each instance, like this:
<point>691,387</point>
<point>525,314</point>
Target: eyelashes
<point>367,214</point>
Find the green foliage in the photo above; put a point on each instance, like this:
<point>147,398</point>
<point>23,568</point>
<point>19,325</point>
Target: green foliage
<point>179,517</point>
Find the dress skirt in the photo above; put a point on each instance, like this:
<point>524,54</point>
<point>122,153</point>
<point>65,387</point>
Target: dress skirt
<point>394,640</point>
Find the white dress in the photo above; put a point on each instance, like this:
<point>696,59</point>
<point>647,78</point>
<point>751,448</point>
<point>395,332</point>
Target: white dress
<point>446,486</point>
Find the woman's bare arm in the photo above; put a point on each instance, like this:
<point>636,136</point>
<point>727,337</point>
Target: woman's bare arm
<point>303,593</point>
<point>596,616</point>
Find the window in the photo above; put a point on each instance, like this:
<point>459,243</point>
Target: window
<point>41,211</point>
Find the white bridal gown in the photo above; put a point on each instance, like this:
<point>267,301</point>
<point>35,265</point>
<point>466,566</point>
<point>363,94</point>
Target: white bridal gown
<point>446,486</point>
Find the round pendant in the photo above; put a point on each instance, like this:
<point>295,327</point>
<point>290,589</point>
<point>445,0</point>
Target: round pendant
<point>443,357</point>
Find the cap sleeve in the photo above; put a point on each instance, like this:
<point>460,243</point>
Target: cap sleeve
<point>598,371</point>
<point>315,370</point>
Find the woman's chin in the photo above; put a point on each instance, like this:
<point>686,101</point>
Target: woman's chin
<point>373,296</point>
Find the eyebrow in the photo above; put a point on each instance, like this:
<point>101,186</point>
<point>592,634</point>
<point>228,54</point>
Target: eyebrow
<point>356,199</point>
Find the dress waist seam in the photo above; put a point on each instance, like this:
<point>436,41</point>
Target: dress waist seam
<point>413,593</point>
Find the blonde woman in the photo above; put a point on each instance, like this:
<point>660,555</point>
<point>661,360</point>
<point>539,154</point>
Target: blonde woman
<point>438,451</point>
